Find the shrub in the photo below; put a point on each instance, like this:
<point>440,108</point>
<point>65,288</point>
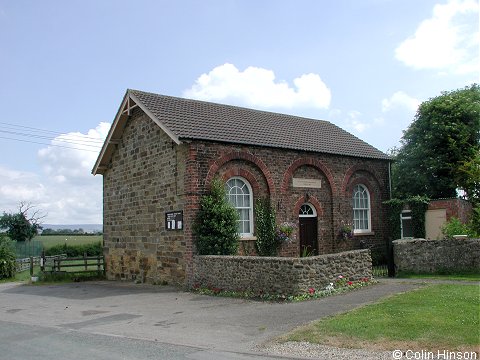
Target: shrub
<point>7,258</point>
<point>216,225</point>
<point>267,243</point>
<point>455,227</point>
<point>93,249</point>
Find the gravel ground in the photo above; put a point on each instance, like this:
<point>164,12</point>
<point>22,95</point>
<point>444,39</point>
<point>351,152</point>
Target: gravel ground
<point>306,350</point>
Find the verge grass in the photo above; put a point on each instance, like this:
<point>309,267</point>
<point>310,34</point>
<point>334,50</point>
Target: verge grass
<point>23,276</point>
<point>431,318</point>
<point>52,240</point>
<point>469,276</point>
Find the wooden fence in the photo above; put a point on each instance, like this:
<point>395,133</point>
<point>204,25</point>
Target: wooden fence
<point>25,263</point>
<point>76,264</point>
<point>62,264</point>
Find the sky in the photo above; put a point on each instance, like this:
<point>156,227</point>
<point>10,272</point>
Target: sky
<point>364,65</point>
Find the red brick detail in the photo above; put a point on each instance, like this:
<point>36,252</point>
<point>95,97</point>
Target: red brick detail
<point>311,162</point>
<point>352,170</point>
<point>311,200</point>
<point>458,208</point>
<point>241,155</point>
<point>244,174</point>
<point>362,181</point>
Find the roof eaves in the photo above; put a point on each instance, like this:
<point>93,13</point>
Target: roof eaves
<point>109,142</point>
<point>109,135</point>
<point>151,115</point>
<point>298,148</point>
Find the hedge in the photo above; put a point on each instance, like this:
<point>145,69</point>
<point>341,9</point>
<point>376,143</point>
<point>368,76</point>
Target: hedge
<point>93,249</point>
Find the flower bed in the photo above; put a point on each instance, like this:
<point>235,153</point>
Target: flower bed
<point>340,286</point>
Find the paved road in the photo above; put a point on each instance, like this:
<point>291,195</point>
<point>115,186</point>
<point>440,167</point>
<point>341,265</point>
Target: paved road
<point>110,320</point>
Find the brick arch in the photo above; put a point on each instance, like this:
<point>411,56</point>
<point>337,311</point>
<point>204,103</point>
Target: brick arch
<point>352,170</point>
<point>244,174</point>
<point>363,181</point>
<point>241,155</point>
<point>312,200</point>
<point>311,162</point>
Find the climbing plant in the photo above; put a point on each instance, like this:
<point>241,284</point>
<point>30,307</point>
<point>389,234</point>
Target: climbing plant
<point>266,243</point>
<point>418,206</point>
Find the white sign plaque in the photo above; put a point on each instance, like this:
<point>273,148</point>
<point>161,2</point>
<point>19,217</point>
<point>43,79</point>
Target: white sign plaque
<point>307,183</point>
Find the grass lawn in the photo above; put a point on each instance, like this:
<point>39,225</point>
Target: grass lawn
<point>52,240</point>
<point>431,318</point>
<point>461,276</point>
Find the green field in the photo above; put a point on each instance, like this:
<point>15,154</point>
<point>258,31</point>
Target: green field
<point>52,240</point>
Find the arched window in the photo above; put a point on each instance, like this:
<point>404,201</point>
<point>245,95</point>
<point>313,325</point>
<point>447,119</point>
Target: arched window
<point>239,193</point>
<point>307,210</point>
<point>361,209</point>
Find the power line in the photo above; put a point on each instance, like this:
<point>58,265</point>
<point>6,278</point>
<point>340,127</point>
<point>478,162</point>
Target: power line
<point>35,142</point>
<point>82,142</point>
<point>44,134</point>
<point>30,129</point>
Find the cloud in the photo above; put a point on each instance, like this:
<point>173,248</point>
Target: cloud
<point>256,87</point>
<point>65,189</point>
<point>400,100</point>
<point>17,185</point>
<point>448,41</point>
<point>73,164</point>
<point>353,120</point>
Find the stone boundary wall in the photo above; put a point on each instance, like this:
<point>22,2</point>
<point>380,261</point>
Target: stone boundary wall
<point>279,275</point>
<point>430,256</point>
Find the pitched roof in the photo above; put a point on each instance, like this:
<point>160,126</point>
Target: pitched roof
<point>193,119</point>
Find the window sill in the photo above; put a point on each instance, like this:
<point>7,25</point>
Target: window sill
<point>248,238</point>
<point>369,233</point>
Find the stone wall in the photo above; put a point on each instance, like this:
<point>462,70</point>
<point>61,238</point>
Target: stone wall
<point>430,256</point>
<point>279,275</point>
<point>142,183</point>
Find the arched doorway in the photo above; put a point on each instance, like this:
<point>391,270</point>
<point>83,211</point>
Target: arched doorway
<point>307,219</point>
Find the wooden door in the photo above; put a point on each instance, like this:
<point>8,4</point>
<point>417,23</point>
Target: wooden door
<point>308,236</point>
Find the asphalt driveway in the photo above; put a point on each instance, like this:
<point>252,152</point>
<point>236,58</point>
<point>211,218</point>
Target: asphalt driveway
<point>167,315</point>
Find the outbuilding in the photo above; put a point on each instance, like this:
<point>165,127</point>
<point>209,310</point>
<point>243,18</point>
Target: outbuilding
<point>162,153</point>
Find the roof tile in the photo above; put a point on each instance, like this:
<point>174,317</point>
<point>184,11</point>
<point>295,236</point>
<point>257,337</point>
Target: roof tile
<point>194,119</point>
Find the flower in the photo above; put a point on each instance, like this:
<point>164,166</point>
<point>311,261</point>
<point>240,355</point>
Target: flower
<point>311,291</point>
<point>341,281</point>
<point>346,230</point>
<point>284,233</point>
<point>349,283</point>
<point>329,287</point>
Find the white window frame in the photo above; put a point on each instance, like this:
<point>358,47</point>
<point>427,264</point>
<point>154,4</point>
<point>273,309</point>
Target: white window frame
<point>368,210</point>
<point>314,211</point>
<point>405,215</point>
<point>250,207</point>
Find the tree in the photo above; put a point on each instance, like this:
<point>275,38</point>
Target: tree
<point>444,135</point>
<point>469,178</point>
<point>216,225</point>
<point>24,225</point>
